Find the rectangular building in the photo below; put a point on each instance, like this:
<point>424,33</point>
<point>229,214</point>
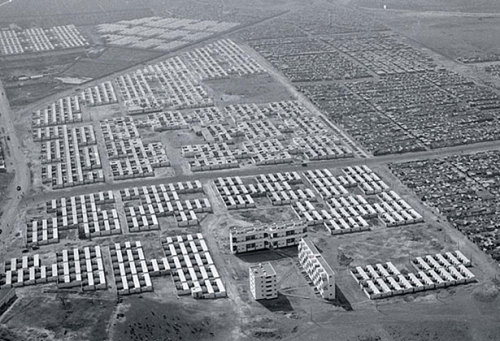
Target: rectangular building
<point>318,270</point>
<point>263,282</point>
<point>273,236</point>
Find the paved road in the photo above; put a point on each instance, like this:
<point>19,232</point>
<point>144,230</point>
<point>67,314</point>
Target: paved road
<point>16,163</point>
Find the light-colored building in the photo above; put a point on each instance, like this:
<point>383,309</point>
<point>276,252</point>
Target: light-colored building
<point>263,282</point>
<point>272,236</point>
<point>318,270</point>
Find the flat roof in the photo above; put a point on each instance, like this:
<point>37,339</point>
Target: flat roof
<point>263,269</point>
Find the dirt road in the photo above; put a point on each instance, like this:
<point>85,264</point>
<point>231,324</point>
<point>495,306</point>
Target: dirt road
<point>16,163</point>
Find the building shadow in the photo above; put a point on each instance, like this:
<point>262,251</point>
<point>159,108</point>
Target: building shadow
<point>261,256</point>
<point>340,300</point>
<point>280,304</point>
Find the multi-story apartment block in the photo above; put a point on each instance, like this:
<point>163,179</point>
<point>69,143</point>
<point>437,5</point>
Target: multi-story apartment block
<point>263,283</point>
<point>273,236</point>
<point>318,270</point>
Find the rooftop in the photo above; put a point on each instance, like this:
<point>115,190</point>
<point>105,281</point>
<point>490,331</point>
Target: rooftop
<point>263,269</point>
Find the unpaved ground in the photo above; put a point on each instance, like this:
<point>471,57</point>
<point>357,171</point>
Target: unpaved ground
<point>58,317</point>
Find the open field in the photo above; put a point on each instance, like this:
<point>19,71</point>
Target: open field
<point>457,36</point>
<point>59,317</point>
<point>481,6</point>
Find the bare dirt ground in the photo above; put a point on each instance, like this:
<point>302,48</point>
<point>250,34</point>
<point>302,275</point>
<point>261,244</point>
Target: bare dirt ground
<point>57,317</point>
<point>254,89</point>
<point>453,35</point>
<point>486,6</point>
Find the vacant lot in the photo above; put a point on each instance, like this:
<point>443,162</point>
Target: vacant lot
<point>149,318</point>
<point>59,318</point>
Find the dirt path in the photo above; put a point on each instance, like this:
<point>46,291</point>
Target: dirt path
<point>15,163</point>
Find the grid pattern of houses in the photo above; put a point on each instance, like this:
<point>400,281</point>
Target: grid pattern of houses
<point>264,134</point>
<point>82,268</point>
<point>94,215</point>
<point>175,83</point>
<point>160,33</point>
<point>42,232</point>
<point>28,270</point>
<point>220,59</point>
<point>76,267</point>
<point>70,156</point>
<point>280,188</point>
<point>100,94</point>
<point>269,236</point>
<point>36,40</point>
<point>143,205</point>
<point>317,269</point>
<point>63,111</point>
<point>349,211</point>
<point>132,271</point>
<point>192,267</point>
<point>175,87</point>
<point>433,271</point>
<point>129,157</point>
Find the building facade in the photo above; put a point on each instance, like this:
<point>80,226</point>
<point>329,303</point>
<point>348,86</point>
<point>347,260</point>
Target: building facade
<point>271,236</point>
<point>318,270</point>
<point>263,282</point>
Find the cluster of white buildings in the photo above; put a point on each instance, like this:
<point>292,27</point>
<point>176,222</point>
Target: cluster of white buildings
<point>160,33</point>
<point>166,120</point>
<point>81,268</point>
<point>348,211</point>
<point>143,205</point>
<point>100,94</point>
<point>76,267</point>
<point>70,156</point>
<point>192,267</point>
<point>168,84</point>
<point>175,83</point>
<point>317,269</point>
<point>42,232</point>
<point>36,40</point>
<point>129,157</point>
<point>273,133</point>
<point>172,120</point>
<point>345,210</point>
<point>206,61</point>
<point>262,237</point>
<point>432,272</point>
<point>94,215</point>
<point>63,111</point>
<point>28,270</point>
<point>235,194</point>
<point>141,218</point>
<point>280,188</point>
<point>132,271</point>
